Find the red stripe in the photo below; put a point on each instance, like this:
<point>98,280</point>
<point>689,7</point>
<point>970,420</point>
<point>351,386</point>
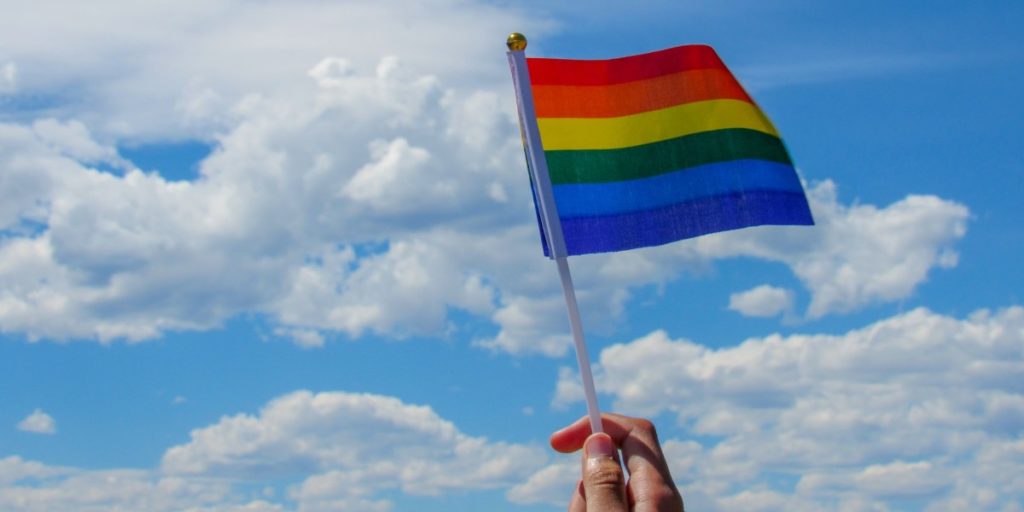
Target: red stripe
<point>635,97</point>
<point>623,69</point>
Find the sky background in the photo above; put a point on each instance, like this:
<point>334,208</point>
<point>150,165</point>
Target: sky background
<point>282,256</point>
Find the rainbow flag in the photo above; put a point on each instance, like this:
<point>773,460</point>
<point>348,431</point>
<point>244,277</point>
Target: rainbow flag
<point>653,148</point>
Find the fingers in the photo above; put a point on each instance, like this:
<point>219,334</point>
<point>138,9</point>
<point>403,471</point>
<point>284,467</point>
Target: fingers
<point>578,504</point>
<point>636,437</point>
<point>571,438</point>
<point>650,482</point>
<point>604,485</point>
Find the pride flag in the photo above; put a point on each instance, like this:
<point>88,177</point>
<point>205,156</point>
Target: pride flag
<point>654,148</point>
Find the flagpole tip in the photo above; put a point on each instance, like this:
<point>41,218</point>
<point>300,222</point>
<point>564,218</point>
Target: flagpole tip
<point>516,42</point>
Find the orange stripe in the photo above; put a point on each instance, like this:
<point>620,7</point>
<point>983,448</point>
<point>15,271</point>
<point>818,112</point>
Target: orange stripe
<point>634,97</point>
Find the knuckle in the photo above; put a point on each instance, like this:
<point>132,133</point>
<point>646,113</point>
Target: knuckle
<point>645,425</point>
<point>663,499</point>
<point>644,429</point>
<point>604,476</point>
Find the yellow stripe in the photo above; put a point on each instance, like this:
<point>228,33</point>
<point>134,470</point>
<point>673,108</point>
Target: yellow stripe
<point>653,126</point>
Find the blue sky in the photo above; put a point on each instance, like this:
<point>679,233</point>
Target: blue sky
<point>281,256</point>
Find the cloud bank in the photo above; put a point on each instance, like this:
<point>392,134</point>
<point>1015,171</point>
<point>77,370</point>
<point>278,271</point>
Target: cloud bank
<point>344,451</point>
<point>360,189</point>
<point>920,409</point>
<point>386,233</point>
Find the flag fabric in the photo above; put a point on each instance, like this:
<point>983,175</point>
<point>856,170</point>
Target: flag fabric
<point>649,149</point>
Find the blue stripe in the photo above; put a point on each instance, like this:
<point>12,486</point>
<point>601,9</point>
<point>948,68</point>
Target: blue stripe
<point>709,180</point>
<point>584,235</point>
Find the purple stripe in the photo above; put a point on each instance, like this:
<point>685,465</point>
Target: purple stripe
<point>585,235</point>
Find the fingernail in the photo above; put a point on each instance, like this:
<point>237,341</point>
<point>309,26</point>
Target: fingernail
<point>600,446</point>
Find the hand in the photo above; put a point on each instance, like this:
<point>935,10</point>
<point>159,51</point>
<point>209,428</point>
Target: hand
<point>603,487</point>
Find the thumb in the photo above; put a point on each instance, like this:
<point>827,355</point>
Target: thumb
<point>604,486</point>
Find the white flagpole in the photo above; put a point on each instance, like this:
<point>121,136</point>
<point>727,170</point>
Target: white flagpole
<point>549,214</point>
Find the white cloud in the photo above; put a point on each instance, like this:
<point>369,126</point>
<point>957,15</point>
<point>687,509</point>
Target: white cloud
<point>342,491</point>
<point>8,78</point>
<point>47,488</point>
<point>349,191</point>
<point>247,234</point>
<point>331,71</point>
<point>344,451</point>
<point>530,325</point>
<point>392,167</point>
<point>405,290</point>
<point>15,469</point>
<point>38,423</point>
<point>252,234</point>
<point>354,446</point>
<point>167,68</point>
<point>859,254</point>
<point>762,301</point>
<point>906,408</point>
<point>854,256</point>
<point>73,140</point>
<point>307,338</point>
<point>553,484</point>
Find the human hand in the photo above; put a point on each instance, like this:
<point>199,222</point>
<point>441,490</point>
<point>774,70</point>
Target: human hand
<point>603,487</point>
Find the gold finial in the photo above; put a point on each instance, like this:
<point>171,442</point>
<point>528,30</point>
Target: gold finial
<point>516,42</point>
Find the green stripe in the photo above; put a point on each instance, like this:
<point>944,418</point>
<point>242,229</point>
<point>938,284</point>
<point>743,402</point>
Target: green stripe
<point>605,165</point>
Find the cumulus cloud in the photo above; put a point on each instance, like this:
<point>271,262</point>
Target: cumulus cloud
<point>910,407</point>
<point>38,423</point>
<point>328,436</point>
<point>344,451</point>
<point>131,256</point>
<point>172,69</point>
<point>134,255</point>
<point>530,325</point>
<point>72,139</point>
<point>552,484</point>
<point>858,254</point>
<point>15,469</point>
<point>854,256</point>
<point>47,488</point>
<point>762,301</point>
<point>329,72</point>
<point>353,189</point>
<point>307,338</point>
<point>8,78</point>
